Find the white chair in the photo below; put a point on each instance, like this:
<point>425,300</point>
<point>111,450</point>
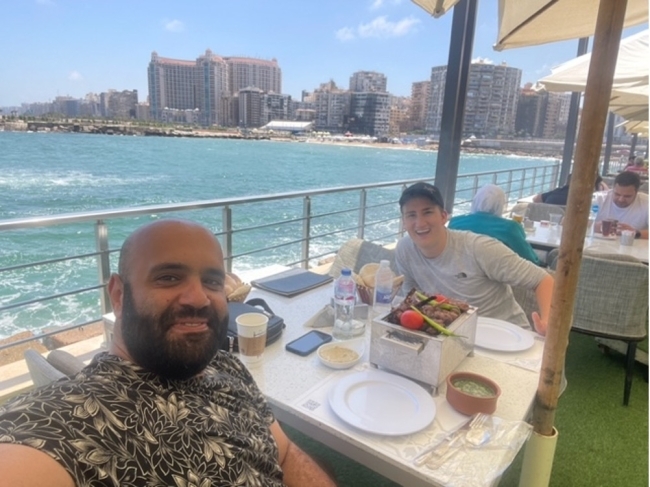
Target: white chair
<point>58,365</point>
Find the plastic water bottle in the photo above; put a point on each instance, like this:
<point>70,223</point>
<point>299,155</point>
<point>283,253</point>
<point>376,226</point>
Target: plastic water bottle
<point>383,290</point>
<point>592,216</point>
<point>345,291</point>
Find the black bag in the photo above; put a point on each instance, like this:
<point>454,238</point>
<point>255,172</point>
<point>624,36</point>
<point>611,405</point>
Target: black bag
<point>255,305</point>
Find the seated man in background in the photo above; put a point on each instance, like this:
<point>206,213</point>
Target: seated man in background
<point>625,204</point>
<point>463,265</point>
<point>164,406</point>
<point>559,196</point>
<point>486,218</point>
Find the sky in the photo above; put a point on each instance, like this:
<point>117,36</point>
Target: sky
<point>56,48</point>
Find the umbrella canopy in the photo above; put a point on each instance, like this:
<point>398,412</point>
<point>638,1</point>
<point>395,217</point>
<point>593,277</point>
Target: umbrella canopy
<point>535,22</point>
<point>437,8</point>
<point>631,68</point>
<point>630,84</point>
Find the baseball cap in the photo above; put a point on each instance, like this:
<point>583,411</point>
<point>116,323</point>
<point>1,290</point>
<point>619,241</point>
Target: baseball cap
<point>422,190</point>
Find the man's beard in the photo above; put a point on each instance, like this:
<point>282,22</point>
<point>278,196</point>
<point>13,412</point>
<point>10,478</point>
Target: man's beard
<point>150,345</point>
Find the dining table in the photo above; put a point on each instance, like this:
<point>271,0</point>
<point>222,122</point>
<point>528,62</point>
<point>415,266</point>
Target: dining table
<point>543,236</point>
<point>299,390</point>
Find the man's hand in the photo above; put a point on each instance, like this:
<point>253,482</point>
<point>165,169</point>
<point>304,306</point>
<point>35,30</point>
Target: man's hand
<point>299,469</point>
<point>623,226</point>
<point>540,325</point>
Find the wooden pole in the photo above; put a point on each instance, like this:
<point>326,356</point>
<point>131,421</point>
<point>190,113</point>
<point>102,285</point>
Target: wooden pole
<point>609,26</point>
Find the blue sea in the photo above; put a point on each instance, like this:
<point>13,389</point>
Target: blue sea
<point>51,173</point>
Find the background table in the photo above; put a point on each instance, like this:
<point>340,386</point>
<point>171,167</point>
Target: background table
<point>547,238</point>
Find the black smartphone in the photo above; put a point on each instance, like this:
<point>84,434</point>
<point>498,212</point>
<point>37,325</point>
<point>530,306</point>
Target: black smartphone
<point>309,342</point>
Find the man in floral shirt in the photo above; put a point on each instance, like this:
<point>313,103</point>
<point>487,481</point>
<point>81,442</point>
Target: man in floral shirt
<point>165,406</point>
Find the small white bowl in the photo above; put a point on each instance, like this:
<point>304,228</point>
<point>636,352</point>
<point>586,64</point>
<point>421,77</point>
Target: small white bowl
<point>333,354</point>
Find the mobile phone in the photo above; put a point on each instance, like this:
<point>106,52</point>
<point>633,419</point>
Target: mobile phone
<point>309,342</point>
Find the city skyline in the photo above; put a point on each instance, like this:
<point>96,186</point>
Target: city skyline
<point>71,48</point>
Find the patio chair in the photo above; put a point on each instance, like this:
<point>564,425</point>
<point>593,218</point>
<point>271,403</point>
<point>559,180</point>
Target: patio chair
<point>58,365</point>
<point>541,211</point>
<point>356,252</point>
<point>612,302</point>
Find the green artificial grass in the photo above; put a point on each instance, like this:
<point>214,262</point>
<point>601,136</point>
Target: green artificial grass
<point>601,443</point>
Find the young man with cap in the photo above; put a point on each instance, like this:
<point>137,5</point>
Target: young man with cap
<point>625,204</point>
<point>463,265</point>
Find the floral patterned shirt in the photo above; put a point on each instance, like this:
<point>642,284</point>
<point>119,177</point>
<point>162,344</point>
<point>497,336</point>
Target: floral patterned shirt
<point>115,424</point>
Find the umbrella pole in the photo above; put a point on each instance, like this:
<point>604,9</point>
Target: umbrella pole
<point>607,36</point>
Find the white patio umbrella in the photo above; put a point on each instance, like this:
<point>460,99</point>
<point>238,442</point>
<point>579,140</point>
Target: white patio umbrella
<point>533,22</point>
<point>526,23</point>
<point>631,68</point>
<point>629,97</point>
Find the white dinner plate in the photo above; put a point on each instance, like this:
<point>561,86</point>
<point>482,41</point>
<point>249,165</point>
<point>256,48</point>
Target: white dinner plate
<point>602,237</point>
<point>502,336</point>
<point>382,403</point>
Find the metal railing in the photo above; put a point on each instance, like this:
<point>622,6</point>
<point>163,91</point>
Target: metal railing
<point>314,224</point>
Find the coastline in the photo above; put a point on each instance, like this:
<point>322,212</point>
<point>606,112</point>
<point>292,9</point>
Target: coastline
<point>510,147</point>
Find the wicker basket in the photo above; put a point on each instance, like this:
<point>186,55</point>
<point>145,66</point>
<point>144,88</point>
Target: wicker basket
<point>367,294</point>
<point>239,295</point>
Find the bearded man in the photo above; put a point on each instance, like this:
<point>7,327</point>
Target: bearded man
<point>164,406</point>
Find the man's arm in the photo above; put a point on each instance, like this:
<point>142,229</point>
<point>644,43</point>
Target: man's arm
<point>25,466</point>
<point>537,198</point>
<point>298,468</point>
<point>544,293</point>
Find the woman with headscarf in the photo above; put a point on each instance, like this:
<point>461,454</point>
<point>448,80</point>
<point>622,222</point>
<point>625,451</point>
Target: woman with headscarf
<point>485,218</point>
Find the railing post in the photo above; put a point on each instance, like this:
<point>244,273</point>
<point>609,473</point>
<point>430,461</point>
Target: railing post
<point>306,231</point>
<point>103,264</point>
<point>226,245</point>
<point>362,214</point>
<point>509,181</point>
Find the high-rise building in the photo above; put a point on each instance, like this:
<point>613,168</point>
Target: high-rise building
<point>207,84</point>
<point>541,114</point>
<point>419,102</point>
<point>364,81</point>
<point>332,106</point>
<point>118,105</point>
<point>369,113</point>
<point>491,102</point>
<point>245,72</point>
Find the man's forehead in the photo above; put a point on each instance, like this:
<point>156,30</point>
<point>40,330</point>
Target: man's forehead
<point>625,190</point>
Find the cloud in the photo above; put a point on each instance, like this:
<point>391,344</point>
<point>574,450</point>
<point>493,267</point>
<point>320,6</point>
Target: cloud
<point>383,28</point>
<point>75,76</point>
<point>377,4</point>
<point>483,60</point>
<point>380,27</point>
<point>345,34</point>
<point>174,25</point>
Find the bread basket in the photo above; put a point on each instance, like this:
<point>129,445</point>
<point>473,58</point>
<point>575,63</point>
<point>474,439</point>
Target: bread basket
<point>236,290</point>
<point>365,281</point>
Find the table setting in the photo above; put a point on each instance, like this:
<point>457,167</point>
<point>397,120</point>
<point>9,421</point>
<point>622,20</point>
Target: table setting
<point>386,419</point>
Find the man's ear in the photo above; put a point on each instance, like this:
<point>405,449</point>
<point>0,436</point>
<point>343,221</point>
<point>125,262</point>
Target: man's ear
<point>116,293</point>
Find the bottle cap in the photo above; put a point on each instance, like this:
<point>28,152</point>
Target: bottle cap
<point>346,272</point>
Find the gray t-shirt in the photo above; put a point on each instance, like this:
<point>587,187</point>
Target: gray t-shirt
<point>474,268</point>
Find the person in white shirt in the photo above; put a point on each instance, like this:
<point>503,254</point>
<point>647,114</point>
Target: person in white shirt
<point>625,204</point>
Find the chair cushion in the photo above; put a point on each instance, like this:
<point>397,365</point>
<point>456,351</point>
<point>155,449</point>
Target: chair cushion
<point>40,370</point>
<point>65,362</point>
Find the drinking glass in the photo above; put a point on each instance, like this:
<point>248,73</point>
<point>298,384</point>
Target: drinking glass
<point>609,227</point>
<point>555,219</point>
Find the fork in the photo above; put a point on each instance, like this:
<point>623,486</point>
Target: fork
<point>477,421</point>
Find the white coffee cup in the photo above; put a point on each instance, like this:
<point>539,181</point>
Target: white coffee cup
<point>627,237</point>
<point>251,337</point>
